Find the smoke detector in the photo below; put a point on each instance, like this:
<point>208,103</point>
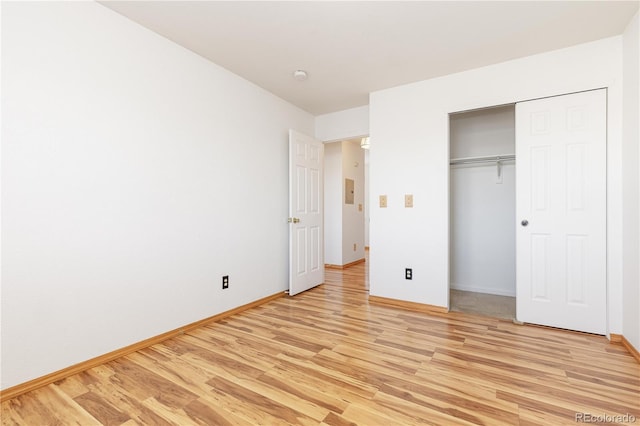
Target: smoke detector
<point>300,75</point>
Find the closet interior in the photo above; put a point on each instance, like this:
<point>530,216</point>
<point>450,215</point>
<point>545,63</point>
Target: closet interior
<point>482,212</point>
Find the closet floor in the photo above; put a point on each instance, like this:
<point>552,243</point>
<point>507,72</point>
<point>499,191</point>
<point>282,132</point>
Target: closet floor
<point>483,304</point>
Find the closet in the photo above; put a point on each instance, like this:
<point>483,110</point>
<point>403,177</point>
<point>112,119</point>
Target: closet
<point>482,212</point>
<point>540,237</point>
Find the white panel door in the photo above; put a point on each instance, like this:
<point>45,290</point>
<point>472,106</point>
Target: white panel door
<point>306,235</point>
<point>561,211</point>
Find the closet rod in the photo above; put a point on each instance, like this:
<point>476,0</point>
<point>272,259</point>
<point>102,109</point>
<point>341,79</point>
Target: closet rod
<point>485,159</point>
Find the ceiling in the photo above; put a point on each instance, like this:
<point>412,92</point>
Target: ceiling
<point>352,48</point>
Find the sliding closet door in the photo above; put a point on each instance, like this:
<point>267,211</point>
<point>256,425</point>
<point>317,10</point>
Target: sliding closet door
<point>561,211</point>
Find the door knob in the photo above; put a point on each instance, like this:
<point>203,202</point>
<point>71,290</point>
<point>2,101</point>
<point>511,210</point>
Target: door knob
<point>525,222</point>
<point>293,220</point>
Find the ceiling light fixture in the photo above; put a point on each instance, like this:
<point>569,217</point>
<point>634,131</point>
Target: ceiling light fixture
<point>364,143</point>
<point>300,75</point>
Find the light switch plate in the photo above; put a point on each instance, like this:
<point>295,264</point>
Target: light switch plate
<point>408,200</point>
<point>383,201</point>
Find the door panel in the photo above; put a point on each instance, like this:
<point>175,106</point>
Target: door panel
<point>306,245</point>
<point>561,194</point>
<point>539,267</point>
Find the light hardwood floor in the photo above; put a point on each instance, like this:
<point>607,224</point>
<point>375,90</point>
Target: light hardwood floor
<point>329,357</point>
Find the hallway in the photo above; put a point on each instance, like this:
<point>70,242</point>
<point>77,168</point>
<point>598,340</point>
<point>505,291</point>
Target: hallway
<point>355,277</point>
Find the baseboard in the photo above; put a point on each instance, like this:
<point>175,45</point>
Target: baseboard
<point>345,266</point>
<point>332,266</point>
<point>627,344</point>
<point>39,382</point>
<point>619,338</point>
<point>615,338</point>
<point>411,306</point>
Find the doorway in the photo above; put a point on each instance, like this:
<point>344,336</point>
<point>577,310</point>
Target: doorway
<point>345,202</point>
<point>482,212</point>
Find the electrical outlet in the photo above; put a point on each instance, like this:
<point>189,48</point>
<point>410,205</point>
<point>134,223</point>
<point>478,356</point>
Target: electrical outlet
<point>408,274</point>
<point>354,246</point>
<point>383,201</point>
<point>225,282</point>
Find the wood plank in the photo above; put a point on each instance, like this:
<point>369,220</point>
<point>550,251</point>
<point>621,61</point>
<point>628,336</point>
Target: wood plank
<point>206,415</point>
<point>268,407</point>
<point>101,409</point>
<point>111,391</point>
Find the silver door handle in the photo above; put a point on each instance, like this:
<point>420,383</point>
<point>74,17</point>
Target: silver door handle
<point>525,222</point>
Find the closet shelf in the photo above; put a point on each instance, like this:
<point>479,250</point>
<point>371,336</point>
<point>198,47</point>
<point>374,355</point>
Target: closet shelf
<point>484,159</point>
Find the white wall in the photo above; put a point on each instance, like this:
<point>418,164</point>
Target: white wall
<point>631,182</point>
<point>489,131</point>
<point>352,216</point>
<point>135,174</point>
<point>409,154</point>
<point>483,240</point>
<point>343,125</point>
<point>333,199</point>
